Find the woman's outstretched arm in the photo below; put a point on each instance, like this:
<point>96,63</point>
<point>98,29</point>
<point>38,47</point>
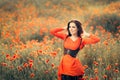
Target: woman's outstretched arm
<point>58,33</point>
<point>91,38</point>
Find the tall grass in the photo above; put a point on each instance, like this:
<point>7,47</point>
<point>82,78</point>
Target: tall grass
<point>29,52</point>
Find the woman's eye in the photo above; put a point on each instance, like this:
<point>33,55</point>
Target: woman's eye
<point>73,26</point>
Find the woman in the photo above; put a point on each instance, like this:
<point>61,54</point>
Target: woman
<point>70,67</point>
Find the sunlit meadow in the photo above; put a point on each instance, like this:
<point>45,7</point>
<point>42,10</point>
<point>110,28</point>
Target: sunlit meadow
<point>29,52</point>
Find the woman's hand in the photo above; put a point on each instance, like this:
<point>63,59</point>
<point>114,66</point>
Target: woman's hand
<point>65,28</point>
<point>85,34</point>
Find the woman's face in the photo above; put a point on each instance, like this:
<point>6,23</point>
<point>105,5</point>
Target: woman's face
<point>73,28</point>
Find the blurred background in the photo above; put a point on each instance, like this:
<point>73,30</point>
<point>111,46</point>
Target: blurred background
<point>29,51</point>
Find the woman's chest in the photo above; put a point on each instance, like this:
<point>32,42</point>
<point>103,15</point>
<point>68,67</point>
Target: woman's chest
<point>70,44</point>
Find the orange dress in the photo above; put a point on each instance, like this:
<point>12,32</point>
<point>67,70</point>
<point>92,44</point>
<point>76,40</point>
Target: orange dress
<point>70,65</point>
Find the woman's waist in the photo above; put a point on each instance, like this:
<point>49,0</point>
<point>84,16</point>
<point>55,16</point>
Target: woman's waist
<point>72,53</point>
<point>69,75</point>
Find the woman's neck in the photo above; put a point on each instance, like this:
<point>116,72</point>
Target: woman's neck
<point>74,36</point>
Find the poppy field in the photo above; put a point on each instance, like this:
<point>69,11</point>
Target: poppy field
<point>29,52</point>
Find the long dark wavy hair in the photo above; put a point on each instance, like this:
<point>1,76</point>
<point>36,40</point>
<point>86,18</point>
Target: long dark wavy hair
<point>79,27</point>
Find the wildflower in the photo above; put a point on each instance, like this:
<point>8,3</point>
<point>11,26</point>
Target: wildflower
<point>32,75</point>
<point>8,56</point>
<point>85,66</point>
<point>30,62</point>
<point>85,77</point>
<point>82,79</point>
<point>105,76</point>
<point>30,65</point>
<point>100,59</point>
<point>105,42</point>
<point>116,64</point>
<point>91,28</point>
<point>4,64</point>
<point>19,68</point>
<point>11,67</point>
<point>15,56</point>
<point>3,53</point>
<point>46,71</point>
<point>96,70</point>
<point>25,65</point>
<point>47,60</point>
<point>43,30</point>
<point>116,71</point>
<point>47,4</point>
<point>39,51</point>
<point>58,49</point>
<point>108,67</point>
<point>95,63</point>
<point>7,34</point>
<point>52,65</point>
<point>96,78</point>
<point>91,79</point>
<point>54,54</point>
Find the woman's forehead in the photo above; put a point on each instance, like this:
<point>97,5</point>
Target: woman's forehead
<point>72,24</point>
